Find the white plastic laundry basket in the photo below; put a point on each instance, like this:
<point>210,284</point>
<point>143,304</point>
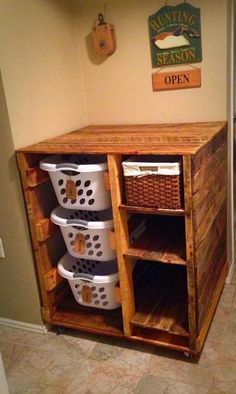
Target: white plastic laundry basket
<point>86,233</point>
<point>92,282</point>
<point>78,181</point>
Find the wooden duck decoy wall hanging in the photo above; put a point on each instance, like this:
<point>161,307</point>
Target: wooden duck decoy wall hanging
<point>103,34</point>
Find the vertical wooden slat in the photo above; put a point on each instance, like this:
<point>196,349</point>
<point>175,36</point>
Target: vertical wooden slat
<point>122,242</point>
<point>190,254</point>
<point>35,214</point>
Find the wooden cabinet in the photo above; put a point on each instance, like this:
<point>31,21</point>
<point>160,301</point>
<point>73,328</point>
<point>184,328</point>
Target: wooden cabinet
<point>169,296</point>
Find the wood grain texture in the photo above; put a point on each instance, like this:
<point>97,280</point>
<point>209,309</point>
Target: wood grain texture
<point>70,314</point>
<point>191,263</point>
<point>209,179</point>
<point>122,241</point>
<point>162,339</point>
<point>183,79</point>
<point>174,312</point>
<point>163,240</point>
<point>153,211</point>
<point>44,229</point>
<point>170,139</point>
<point>161,299</point>
<point>209,149</point>
<point>205,297</point>
<point>52,279</point>
<point>36,214</point>
<point>211,308</point>
<point>35,176</point>
<point>207,249</point>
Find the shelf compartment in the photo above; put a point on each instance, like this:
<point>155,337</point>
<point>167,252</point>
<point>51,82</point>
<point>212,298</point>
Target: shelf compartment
<point>161,298</point>
<point>72,315</point>
<point>153,211</point>
<point>163,240</point>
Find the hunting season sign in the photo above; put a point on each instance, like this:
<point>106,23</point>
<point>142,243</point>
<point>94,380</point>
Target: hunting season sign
<point>175,35</point>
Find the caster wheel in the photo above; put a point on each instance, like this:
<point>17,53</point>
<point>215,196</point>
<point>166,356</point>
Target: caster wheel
<point>187,355</point>
<point>60,330</point>
<point>192,357</point>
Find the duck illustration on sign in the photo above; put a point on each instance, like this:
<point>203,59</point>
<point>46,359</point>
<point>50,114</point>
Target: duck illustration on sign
<point>175,35</point>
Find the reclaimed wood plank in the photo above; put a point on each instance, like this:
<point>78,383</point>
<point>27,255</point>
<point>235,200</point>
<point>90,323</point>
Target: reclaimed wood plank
<point>214,184</point>
<point>44,229</point>
<point>210,220</point>
<point>122,241</point>
<point>161,139</point>
<point>212,307</point>
<point>35,212</point>
<point>161,300</point>
<point>52,279</point>
<point>211,165</point>
<point>203,221</point>
<point>36,176</point>
<point>214,274</point>
<point>153,211</point>
<point>209,149</point>
<point>206,250</point>
<point>160,243</point>
<point>100,321</point>
<point>190,254</point>
<point>162,339</point>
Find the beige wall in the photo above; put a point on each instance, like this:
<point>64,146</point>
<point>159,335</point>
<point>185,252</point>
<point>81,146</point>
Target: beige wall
<point>18,292</point>
<point>119,90</point>
<point>41,68</point>
<point>44,96</point>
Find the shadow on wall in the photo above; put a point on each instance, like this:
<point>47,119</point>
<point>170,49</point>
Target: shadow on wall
<point>17,269</point>
<point>62,5</point>
<point>8,162</point>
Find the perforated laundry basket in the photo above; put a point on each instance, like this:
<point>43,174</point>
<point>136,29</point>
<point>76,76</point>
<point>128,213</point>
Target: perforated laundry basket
<point>79,181</point>
<point>92,282</point>
<point>87,234</point>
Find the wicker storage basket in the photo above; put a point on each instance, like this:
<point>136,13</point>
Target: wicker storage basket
<point>149,183</point>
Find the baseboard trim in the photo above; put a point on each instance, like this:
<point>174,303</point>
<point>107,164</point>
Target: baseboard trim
<point>41,329</point>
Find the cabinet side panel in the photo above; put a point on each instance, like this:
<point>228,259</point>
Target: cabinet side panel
<point>36,212</point>
<point>209,220</point>
<point>191,269</point>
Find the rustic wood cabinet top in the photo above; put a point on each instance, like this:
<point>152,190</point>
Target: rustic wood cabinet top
<point>182,139</point>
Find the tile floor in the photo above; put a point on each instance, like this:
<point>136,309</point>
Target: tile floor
<point>83,363</point>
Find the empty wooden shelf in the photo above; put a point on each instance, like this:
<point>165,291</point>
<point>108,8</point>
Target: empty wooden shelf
<point>173,269</point>
<point>161,299</point>
<point>161,241</point>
